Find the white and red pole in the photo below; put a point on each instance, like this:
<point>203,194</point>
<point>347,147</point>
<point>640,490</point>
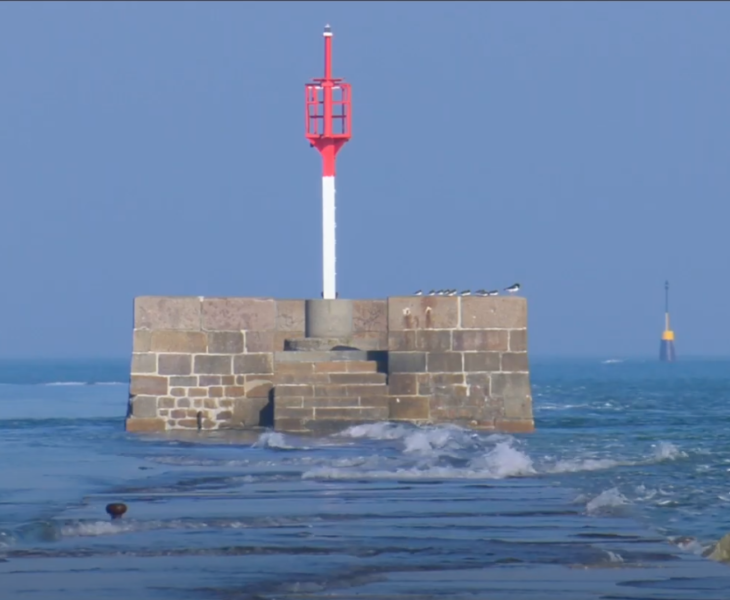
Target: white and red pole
<point>322,134</point>
<point>329,159</point>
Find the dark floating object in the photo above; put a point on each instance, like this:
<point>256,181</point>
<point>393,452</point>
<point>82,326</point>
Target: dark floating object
<point>116,509</point>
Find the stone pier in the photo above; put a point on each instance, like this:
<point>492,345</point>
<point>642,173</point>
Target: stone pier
<point>210,363</point>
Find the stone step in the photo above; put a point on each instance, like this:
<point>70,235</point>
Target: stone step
<point>331,390</point>
<point>362,374</point>
<point>332,356</point>
<point>333,371</point>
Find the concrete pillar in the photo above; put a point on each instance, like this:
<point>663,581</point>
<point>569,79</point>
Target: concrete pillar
<point>328,318</point>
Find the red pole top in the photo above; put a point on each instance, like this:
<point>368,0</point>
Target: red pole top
<point>327,52</point>
<point>328,110</point>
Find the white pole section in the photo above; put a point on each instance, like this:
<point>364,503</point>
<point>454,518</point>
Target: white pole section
<point>329,290</point>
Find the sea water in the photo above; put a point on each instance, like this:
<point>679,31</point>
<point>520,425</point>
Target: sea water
<point>616,495</point>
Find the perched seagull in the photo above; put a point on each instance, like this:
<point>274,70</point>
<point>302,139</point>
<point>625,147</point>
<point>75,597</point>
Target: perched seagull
<point>418,293</point>
<point>481,292</point>
<point>466,293</point>
<point>493,293</point>
<point>513,288</point>
<point>452,293</point>
<point>432,293</point>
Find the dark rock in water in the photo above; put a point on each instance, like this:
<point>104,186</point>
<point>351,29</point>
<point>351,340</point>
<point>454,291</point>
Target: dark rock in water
<point>116,509</point>
<point>720,551</point>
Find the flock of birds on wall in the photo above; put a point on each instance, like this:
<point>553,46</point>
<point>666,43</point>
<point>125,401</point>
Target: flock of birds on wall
<point>513,289</point>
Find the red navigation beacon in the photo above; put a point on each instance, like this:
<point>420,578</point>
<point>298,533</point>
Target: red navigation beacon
<point>328,127</point>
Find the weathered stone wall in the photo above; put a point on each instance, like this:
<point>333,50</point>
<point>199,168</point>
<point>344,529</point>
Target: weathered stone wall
<point>460,360</point>
<point>220,362</point>
<point>207,359</point>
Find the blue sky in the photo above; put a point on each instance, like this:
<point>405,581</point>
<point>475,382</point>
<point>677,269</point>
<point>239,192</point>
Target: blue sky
<point>158,148</point>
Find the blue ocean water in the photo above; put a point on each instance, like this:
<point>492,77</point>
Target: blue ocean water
<point>616,495</point>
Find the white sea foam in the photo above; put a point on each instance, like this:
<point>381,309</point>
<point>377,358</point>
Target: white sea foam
<point>275,441</point>
<point>121,526</point>
<point>606,502</point>
<point>577,465</point>
<point>667,451</point>
<point>423,451</point>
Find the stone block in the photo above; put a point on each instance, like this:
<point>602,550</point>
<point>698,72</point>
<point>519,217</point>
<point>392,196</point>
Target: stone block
<point>358,378</point>
<point>362,366</point>
<point>225,415</point>
<point>517,407</point>
<point>328,390</point>
<point>425,386</point>
<point>447,379</point>
<point>293,390</point>
<point>175,364</point>
<point>145,425</point>
<point>188,342</point>
<point>370,340</point>
<point>161,312</point>
<point>260,341</point>
<point>234,391</point>
<point>514,425</point>
<point>225,342</point>
<point>144,363</point>
<point>178,413</point>
<point>515,361</point>
<point>478,385</point>
<point>287,402</point>
<point>402,341</point>
<point>215,391</point>
<point>183,403</point>
<point>510,385</point>
<point>293,413</point>
<point>235,314</point>
<point>294,368</point>
<point>148,385</point>
<point>254,364</point>
<point>257,386</point>
<point>188,381</point>
<point>423,312</point>
<point>166,402</point>
<point>361,390</point>
<point>379,401</point>
<point>355,413</point>
<point>493,312</point>
<point>290,316</point>
<point>518,340</point>
<point>230,380</point>
<point>213,364</point>
<point>444,362</point>
<point>208,380</point>
<point>369,316</point>
<point>144,406</point>
<point>141,340</point>
<point>433,341</point>
<point>290,425</point>
<point>335,366</point>
<point>406,362</point>
<point>310,378</point>
<point>332,402</point>
<point>481,340</point>
<point>481,361</point>
<point>407,409</point>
